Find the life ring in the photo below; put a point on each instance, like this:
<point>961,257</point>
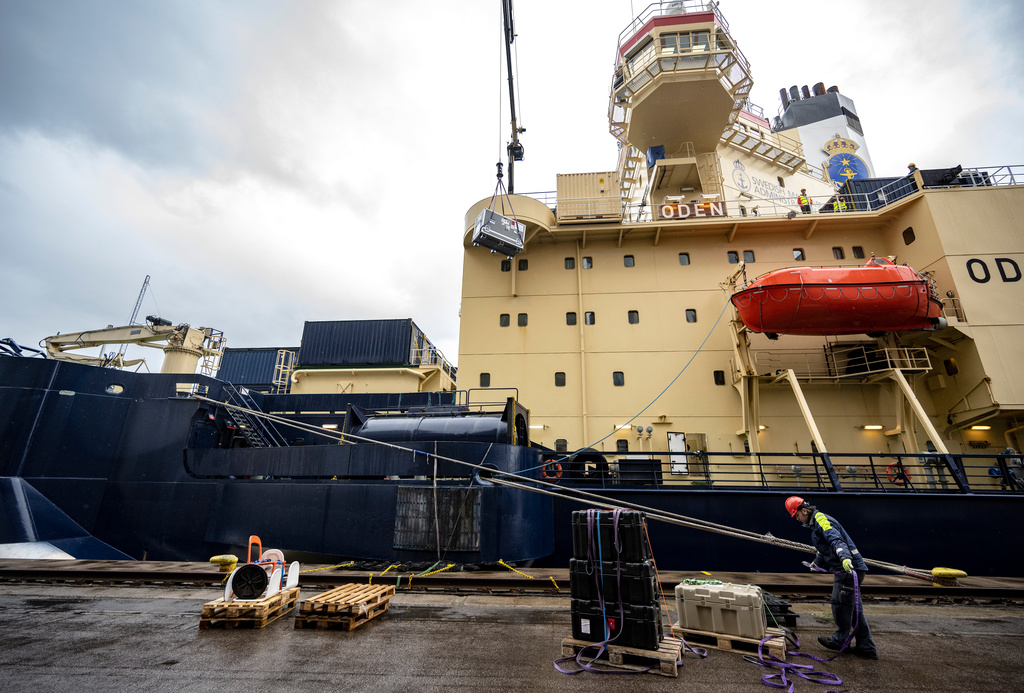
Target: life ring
<point>896,476</point>
<point>552,470</point>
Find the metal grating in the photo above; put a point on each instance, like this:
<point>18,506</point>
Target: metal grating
<point>458,519</point>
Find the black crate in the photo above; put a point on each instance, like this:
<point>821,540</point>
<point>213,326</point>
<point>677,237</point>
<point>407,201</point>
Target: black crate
<point>633,546</point>
<point>639,626</point>
<point>635,583</point>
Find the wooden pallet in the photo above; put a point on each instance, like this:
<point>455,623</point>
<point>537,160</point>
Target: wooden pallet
<point>345,607</point>
<point>665,659</point>
<point>248,614</point>
<point>735,643</point>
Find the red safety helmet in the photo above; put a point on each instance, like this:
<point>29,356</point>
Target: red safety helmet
<point>794,503</point>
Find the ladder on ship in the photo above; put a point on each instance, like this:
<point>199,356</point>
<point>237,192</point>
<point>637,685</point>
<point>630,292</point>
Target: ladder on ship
<point>258,431</point>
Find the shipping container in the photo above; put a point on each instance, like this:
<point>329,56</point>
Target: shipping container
<point>588,197</point>
<point>251,367</point>
<point>357,343</point>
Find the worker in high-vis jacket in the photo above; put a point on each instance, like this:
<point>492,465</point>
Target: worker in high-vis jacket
<point>838,554</point>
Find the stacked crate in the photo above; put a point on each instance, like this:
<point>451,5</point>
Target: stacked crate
<point>613,581</point>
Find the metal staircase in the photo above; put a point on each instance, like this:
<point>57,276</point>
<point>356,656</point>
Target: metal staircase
<point>258,432</point>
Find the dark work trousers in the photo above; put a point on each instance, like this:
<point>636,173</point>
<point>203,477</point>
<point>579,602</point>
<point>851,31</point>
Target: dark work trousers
<point>844,604</point>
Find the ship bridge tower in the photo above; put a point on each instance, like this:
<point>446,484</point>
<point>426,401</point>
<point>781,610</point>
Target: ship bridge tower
<point>679,83</point>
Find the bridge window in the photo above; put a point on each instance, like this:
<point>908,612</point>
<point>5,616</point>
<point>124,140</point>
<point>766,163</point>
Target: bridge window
<point>570,318</point>
<point>485,380</point>
<point>559,379</point>
<point>503,320</point>
<point>618,379</point>
<point>685,42</point>
<point>633,316</point>
<point>570,263</point>
<point>684,258</point>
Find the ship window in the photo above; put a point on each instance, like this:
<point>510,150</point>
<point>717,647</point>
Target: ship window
<point>524,265</point>
<point>485,380</point>
<point>685,42</point>
<point>724,43</point>
<point>684,258</point>
<point>858,252</point>
<point>734,257</point>
<point>622,445</point>
<point>589,318</point>
<point>506,265</point>
<point>503,320</point>
<point>798,254</point>
<point>588,263</point>
<point>748,256</point>
<point>634,317</point>
<point>570,318</point>
<point>559,379</point>
<point>627,261</point>
<point>570,263</point>
<point>908,235</point>
<point>782,183</point>
<point>618,379</point>
<point>838,253</point>
<point>719,377</point>
<point>115,389</point>
<point>522,319</point>
<point>691,315</point>
<point>561,445</point>
<point>951,367</point>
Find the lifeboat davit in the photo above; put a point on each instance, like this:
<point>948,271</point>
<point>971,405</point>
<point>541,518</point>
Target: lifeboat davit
<point>879,296</point>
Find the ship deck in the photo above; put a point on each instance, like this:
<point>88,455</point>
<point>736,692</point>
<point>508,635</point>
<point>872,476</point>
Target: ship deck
<point>96,627</point>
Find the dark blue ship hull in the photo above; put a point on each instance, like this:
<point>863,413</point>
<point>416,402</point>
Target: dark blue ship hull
<point>141,467</point>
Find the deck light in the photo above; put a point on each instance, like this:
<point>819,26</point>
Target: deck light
<point>872,427</point>
<point>981,428</point>
<point>330,427</point>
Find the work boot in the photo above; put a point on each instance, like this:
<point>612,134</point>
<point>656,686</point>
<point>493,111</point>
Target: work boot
<point>866,654</point>
<point>829,643</point>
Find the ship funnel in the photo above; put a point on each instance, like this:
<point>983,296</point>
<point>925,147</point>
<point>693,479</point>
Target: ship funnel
<point>833,90</point>
<point>785,98</point>
<point>794,93</point>
<point>819,89</point>
<point>805,91</point>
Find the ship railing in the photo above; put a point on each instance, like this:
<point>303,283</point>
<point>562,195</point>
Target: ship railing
<point>841,361</point>
<point>258,431</point>
<point>670,7</point>
<point>922,472</point>
<point>952,309</point>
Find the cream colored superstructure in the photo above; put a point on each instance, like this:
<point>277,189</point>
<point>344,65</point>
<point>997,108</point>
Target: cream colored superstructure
<point>619,333</point>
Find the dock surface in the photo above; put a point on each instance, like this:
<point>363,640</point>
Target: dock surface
<point>89,636</point>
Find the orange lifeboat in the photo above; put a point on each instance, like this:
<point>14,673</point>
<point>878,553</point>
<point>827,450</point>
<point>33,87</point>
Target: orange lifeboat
<point>879,296</point>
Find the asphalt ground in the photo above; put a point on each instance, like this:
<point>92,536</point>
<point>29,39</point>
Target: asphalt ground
<point>82,638</point>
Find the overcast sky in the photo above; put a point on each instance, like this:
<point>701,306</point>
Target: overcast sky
<point>270,162</point>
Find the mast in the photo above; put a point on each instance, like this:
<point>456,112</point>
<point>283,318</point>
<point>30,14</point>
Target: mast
<point>515,149</point>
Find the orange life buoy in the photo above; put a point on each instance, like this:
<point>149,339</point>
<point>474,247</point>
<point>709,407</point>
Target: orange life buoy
<point>897,475</point>
<point>552,470</point>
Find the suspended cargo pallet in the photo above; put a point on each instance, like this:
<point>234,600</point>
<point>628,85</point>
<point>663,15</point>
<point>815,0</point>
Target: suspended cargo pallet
<point>345,607</point>
<point>223,613</point>
<point>664,661</point>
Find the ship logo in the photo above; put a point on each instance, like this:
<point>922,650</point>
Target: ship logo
<point>843,163</point>
<point>739,176</point>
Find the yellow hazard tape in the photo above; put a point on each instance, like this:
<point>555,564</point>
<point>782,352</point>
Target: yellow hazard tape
<point>340,565</point>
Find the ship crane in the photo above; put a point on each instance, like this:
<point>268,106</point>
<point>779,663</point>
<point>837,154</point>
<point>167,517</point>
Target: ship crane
<point>182,345</point>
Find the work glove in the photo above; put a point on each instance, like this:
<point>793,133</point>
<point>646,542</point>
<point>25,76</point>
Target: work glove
<point>848,565</point>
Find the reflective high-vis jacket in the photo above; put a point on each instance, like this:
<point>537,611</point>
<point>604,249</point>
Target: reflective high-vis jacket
<point>839,206</point>
<point>833,544</point>
<point>803,200</point>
